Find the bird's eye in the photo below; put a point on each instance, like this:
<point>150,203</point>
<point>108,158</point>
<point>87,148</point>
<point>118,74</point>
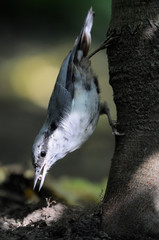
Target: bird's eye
<point>43,154</point>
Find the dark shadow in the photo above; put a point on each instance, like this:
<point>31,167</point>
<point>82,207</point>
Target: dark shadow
<point>73,223</point>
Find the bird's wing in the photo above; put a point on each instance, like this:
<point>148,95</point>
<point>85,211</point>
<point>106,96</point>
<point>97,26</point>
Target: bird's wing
<point>61,98</point>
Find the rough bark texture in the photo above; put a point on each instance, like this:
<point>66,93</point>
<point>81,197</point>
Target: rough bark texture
<point>131,202</point>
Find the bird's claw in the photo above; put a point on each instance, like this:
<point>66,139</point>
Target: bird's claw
<point>114,124</point>
<point>105,44</point>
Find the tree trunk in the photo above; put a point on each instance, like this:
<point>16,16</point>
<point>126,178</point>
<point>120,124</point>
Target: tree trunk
<point>131,201</point>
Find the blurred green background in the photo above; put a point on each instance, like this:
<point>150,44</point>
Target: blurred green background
<point>35,38</point>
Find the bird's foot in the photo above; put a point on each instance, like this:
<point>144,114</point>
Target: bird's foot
<point>113,125</point>
<point>104,109</point>
<point>105,44</point>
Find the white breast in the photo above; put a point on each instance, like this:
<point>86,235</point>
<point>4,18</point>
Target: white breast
<point>79,124</point>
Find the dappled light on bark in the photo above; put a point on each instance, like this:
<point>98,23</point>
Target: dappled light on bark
<point>130,210</point>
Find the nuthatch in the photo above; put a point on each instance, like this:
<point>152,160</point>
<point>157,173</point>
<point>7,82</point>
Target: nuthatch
<point>74,107</point>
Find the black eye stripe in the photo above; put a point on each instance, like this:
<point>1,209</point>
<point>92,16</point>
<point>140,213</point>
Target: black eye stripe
<point>43,154</point>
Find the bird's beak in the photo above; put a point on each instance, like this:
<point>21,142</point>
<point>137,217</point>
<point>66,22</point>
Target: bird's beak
<point>40,175</point>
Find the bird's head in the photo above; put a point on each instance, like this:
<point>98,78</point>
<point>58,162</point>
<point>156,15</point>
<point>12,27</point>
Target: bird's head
<point>49,146</point>
<point>43,156</point>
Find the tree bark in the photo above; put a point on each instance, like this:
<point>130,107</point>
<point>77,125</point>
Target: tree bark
<point>131,201</point>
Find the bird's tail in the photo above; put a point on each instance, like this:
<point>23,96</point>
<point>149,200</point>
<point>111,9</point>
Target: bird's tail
<point>83,42</point>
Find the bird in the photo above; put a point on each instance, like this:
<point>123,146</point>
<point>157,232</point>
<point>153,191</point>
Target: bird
<point>74,107</point>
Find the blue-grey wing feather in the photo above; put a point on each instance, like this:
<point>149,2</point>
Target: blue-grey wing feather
<point>61,98</point>
<point>63,93</point>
